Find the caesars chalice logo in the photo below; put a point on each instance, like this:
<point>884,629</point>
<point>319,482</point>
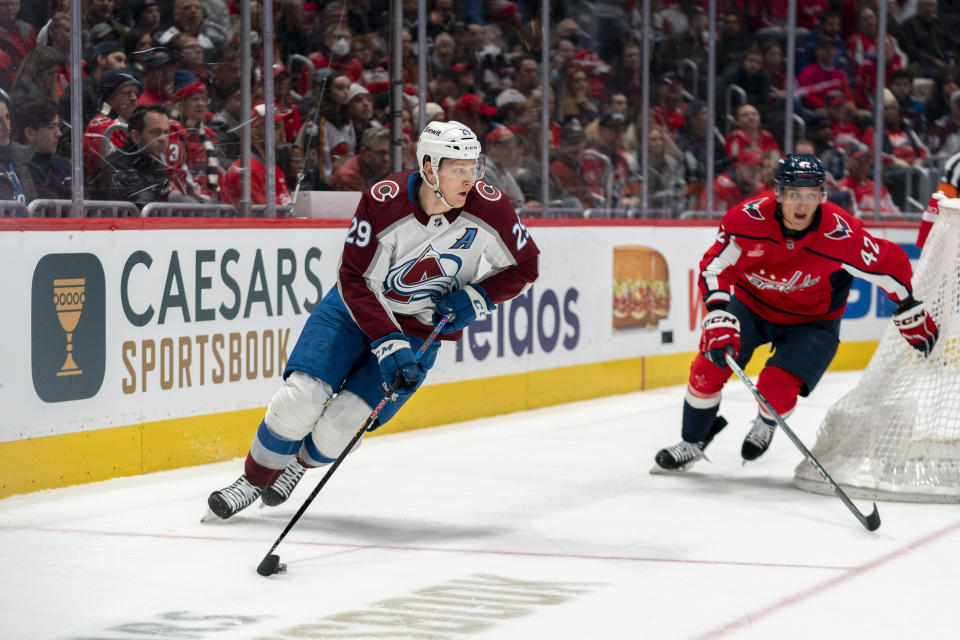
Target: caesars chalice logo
<point>68,297</point>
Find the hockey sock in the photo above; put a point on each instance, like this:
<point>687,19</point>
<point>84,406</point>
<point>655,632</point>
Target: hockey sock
<point>781,389</point>
<point>268,457</point>
<point>697,419</point>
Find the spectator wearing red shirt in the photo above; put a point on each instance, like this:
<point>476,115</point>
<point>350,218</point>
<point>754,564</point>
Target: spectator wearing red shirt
<point>231,191</point>
<point>862,52</point>
<point>743,181</point>
<point>192,144</point>
<point>669,111</point>
<point>157,77</point>
<point>370,164</point>
<point>839,111</point>
<point>822,76</point>
<point>17,38</point>
<point>860,187</point>
<point>118,95</point>
<point>748,136</point>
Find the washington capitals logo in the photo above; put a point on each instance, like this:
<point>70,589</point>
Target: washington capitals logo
<point>752,208</point>
<point>428,276</point>
<point>842,231</point>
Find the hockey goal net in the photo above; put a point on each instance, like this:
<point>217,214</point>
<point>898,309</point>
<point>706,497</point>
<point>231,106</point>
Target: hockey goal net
<point>896,435</point>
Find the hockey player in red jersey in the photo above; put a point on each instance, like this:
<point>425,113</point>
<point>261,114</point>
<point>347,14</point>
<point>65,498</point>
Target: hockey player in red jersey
<point>412,253</point>
<point>779,272</point>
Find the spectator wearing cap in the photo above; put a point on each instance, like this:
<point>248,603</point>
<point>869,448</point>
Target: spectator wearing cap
<point>566,165</point>
<point>36,124</point>
<point>15,181</point>
<point>146,15</point>
<point>17,38</point>
<point>369,165</point>
<point>504,154</point>
<point>860,187</point>
<point>670,105</point>
<point>840,110</point>
<point>158,70</point>
<point>737,184</point>
<point>226,124</point>
<point>749,136</point>
<point>107,55</point>
<point>617,103</point>
<point>692,142</point>
<point>118,95</point>
<point>188,18</point>
<point>928,41</point>
<point>821,76</point>
<point>137,173</point>
<point>829,28</point>
<point>360,109</point>
<point>231,191</point>
<point>625,186</point>
<point>576,101</point>
<point>191,154</point>
<point>473,112</point>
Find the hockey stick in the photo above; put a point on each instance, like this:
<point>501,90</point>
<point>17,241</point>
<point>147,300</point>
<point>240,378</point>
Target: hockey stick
<point>271,562</point>
<point>872,521</point>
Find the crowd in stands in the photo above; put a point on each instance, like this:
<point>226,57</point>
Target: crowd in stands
<point>162,103</point>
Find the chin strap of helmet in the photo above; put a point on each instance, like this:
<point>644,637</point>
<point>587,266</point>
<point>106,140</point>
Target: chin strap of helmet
<point>436,187</point>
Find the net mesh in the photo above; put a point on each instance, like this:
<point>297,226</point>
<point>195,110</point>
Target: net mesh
<point>896,436</point>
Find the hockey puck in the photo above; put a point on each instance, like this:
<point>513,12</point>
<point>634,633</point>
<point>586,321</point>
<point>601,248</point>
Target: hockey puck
<point>270,565</point>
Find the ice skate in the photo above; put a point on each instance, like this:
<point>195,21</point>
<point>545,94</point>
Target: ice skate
<point>279,491</point>
<point>757,440</point>
<point>229,500</point>
<point>683,455</point>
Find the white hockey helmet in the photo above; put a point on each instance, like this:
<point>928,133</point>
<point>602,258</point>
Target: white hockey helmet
<point>440,140</point>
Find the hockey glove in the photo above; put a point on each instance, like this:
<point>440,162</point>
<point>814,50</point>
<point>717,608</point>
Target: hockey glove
<point>916,326</point>
<point>399,370</point>
<point>467,304</point>
<point>720,330</point>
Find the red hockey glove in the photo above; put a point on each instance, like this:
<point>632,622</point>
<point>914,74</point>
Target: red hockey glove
<point>917,327</point>
<point>929,217</point>
<point>720,330</point>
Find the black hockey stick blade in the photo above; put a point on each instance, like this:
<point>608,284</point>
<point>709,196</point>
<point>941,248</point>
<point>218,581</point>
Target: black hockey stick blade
<point>270,565</point>
<point>872,521</point>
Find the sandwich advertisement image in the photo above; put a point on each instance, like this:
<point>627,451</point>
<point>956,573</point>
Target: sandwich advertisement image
<point>641,287</point>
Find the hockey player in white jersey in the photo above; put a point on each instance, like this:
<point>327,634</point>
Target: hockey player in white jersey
<point>411,255</point>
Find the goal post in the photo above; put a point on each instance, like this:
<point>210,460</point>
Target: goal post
<point>896,435</point>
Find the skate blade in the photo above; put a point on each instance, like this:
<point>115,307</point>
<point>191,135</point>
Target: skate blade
<point>210,516</point>
<point>657,470</point>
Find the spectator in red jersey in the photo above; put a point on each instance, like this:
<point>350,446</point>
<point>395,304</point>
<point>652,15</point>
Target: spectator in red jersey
<point>840,111</point>
<point>669,111</point>
<point>822,76</point>
<point>231,191</point>
<point>370,164</point>
<point>749,136</point>
<point>157,77</point>
<point>17,38</point>
<point>860,187</point>
<point>108,55</point>
<point>192,144</point>
<point>745,180</point>
<point>862,51</point>
<point>118,94</point>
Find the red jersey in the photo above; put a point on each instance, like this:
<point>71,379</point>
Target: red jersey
<point>738,141</point>
<point>804,278</point>
<point>397,260</point>
<point>94,149</point>
<point>232,188</point>
<point>196,155</point>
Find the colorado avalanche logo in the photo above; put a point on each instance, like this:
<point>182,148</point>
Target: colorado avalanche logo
<point>752,208</point>
<point>488,191</point>
<point>842,231</point>
<point>384,190</point>
<point>428,276</point>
